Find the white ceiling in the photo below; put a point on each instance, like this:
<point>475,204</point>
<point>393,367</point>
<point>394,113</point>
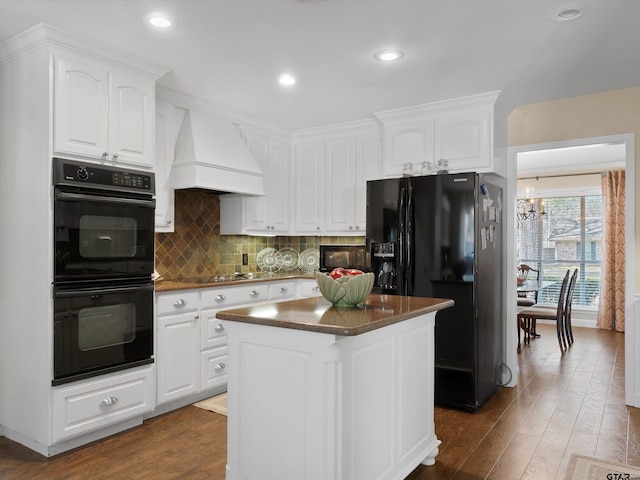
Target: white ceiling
<point>230,52</point>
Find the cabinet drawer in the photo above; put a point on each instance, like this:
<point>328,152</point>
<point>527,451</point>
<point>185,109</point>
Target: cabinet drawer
<point>222,297</point>
<point>93,404</point>
<point>308,288</point>
<point>176,302</point>
<point>212,331</point>
<point>213,368</point>
<point>282,290</point>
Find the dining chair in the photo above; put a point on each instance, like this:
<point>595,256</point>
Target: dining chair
<point>524,300</point>
<point>567,308</point>
<point>527,317</point>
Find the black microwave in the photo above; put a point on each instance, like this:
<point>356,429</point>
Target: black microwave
<point>346,256</point>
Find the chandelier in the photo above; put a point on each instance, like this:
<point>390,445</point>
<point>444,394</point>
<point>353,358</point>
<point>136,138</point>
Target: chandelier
<point>525,210</point>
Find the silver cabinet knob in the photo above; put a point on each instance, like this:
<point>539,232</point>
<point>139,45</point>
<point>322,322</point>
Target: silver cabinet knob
<point>254,293</point>
<point>350,227</point>
<point>357,227</point>
<point>114,157</point>
<point>220,298</point>
<point>219,367</point>
<point>284,289</point>
<point>109,401</point>
<point>105,154</point>
<point>181,302</point>
<point>316,288</point>
<point>218,328</point>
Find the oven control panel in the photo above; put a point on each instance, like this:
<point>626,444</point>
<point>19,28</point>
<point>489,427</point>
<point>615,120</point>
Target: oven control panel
<point>74,173</point>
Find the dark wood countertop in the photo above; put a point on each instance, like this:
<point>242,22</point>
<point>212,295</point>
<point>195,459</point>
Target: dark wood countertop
<point>316,314</point>
<point>189,284</point>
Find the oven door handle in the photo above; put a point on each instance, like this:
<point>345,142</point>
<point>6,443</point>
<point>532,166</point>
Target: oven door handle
<point>80,197</point>
<point>102,290</point>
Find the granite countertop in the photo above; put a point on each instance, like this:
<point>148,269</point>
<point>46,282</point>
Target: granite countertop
<point>316,314</point>
<point>209,282</point>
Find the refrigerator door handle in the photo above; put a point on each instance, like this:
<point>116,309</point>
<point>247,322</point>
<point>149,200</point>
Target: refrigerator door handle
<point>401,242</point>
<point>410,233</point>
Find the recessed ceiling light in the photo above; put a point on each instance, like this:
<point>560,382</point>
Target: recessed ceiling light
<point>567,13</point>
<point>388,55</point>
<point>286,79</point>
<point>159,20</point>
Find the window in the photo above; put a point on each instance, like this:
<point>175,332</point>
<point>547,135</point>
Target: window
<point>569,236</point>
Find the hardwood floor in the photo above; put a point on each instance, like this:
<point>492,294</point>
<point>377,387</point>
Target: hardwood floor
<point>562,405</point>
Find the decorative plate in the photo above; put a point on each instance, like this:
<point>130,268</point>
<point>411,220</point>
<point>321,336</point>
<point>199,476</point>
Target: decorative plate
<point>289,258</point>
<point>309,260</point>
<point>268,260</point>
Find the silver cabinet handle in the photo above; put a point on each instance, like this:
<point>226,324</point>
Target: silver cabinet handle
<point>357,227</point>
<point>219,367</point>
<point>109,401</point>
<point>218,328</point>
<point>181,302</point>
<point>105,154</point>
<point>254,293</point>
<point>284,289</point>
<point>105,237</point>
<point>316,288</point>
<point>115,156</point>
<point>350,227</point>
<point>220,298</point>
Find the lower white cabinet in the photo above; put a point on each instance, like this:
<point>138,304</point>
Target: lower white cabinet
<point>191,343</point>
<point>213,367</point>
<point>102,401</point>
<point>308,288</point>
<point>178,356</point>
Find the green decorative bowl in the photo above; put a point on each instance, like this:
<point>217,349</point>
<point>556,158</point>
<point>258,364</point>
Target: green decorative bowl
<point>345,291</point>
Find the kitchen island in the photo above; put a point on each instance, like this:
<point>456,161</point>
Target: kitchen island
<point>319,392</point>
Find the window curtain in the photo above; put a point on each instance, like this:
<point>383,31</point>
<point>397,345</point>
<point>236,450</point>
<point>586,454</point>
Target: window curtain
<point>611,305</point>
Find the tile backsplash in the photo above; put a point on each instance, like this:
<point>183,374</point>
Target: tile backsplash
<point>196,248</point>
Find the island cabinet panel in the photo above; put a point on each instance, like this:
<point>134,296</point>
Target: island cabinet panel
<point>352,407</point>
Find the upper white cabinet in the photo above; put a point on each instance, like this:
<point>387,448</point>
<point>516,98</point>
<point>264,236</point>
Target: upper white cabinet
<point>470,133</point>
<point>331,182</point>
<point>407,141</point>
<point>103,112</point>
<point>167,119</point>
<point>309,188</point>
<point>242,214</point>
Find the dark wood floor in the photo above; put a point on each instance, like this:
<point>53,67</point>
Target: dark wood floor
<point>562,405</point>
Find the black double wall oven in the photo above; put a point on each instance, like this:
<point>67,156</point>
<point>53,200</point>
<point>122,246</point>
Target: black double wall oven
<point>103,273</point>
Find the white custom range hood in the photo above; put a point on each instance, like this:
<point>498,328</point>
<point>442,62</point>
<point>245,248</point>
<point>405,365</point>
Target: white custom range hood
<point>210,154</point>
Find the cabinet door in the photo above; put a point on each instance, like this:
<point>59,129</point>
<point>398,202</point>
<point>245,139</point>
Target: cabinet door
<point>255,208</point>
<point>368,167</point>
<point>131,119</point>
<point>407,143</point>
<point>465,141</point>
<point>340,186</point>
<point>81,108</point>
<point>178,356</point>
<point>309,185</point>
<point>279,186</point>
<point>165,141</point>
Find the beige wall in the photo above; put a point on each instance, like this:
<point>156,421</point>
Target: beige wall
<point>608,113</point>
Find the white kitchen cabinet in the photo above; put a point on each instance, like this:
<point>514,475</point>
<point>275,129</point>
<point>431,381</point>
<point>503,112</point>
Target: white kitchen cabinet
<point>88,405</point>
<point>280,291</point>
<point>102,112</point>
<point>177,345</point>
<point>166,132</point>
<point>464,140</point>
<point>309,188</point>
<point>308,288</point>
<point>340,181</point>
<point>409,141</point>
<point>240,214</point>
<point>349,163</point>
<point>469,132</point>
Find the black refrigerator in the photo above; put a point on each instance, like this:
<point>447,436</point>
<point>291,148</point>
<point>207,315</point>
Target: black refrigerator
<point>441,236</point>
